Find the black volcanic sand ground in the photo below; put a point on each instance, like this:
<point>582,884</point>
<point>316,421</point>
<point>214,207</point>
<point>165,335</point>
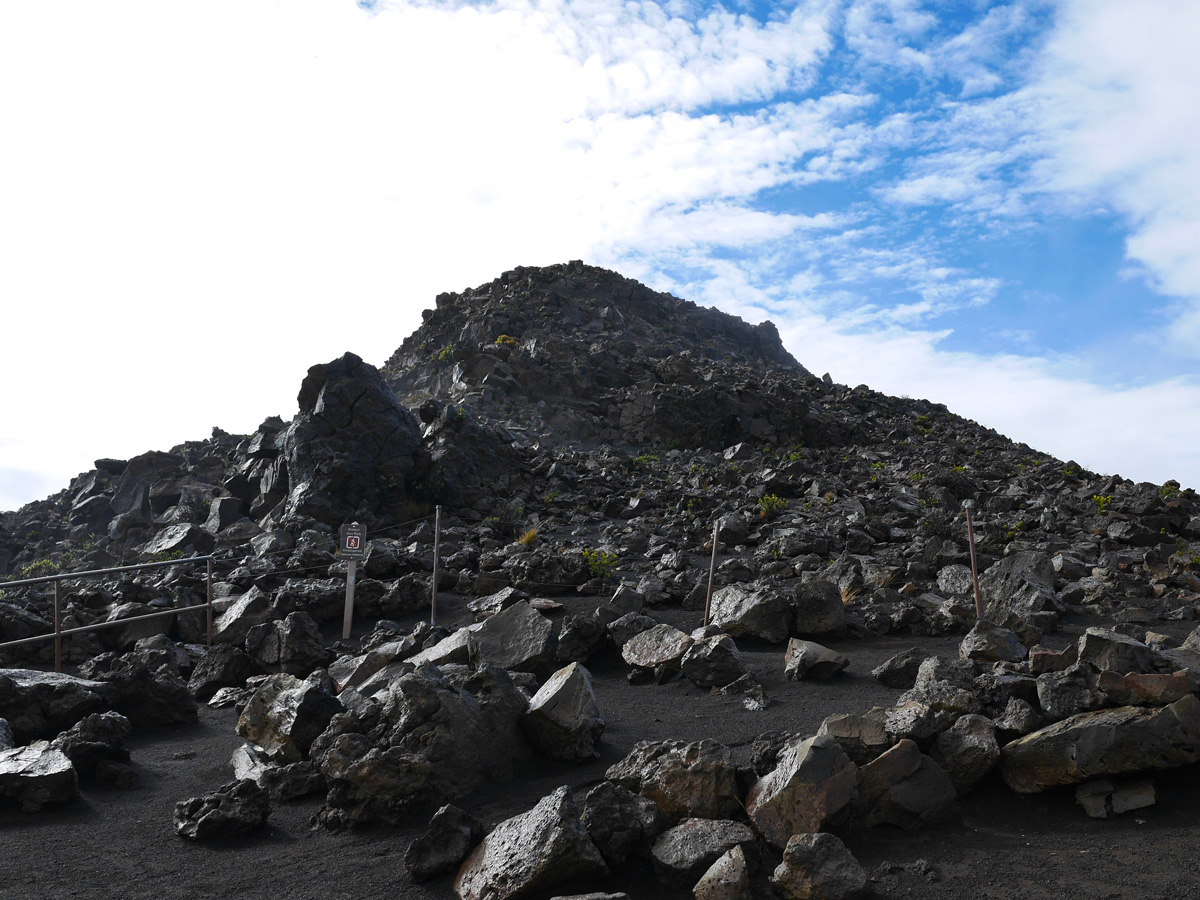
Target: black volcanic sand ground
<point>120,844</point>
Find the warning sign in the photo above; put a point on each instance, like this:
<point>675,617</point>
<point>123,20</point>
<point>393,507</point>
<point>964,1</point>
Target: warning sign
<point>353,541</point>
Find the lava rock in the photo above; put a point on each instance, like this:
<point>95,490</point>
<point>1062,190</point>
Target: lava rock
<point>713,661</point>
<point>818,609</point>
<point>224,665</point>
<point>697,780</point>
<point>726,879</point>
<point>620,822</point>
<point>752,612</point>
<point>905,788</point>
<point>563,720</point>
<point>232,810</point>
<point>901,670</point>
<point>530,853</point>
<point>293,645</point>
<point>518,638</point>
<point>683,853</point>
<point>37,774</point>
<point>990,643</point>
<point>811,787</point>
<point>1106,742</point>
<point>967,751</point>
<point>451,835</point>
<point>818,867</point>
<point>100,736</point>
<point>285,715</point>
<point>43,704</point>
<point>806,659</point>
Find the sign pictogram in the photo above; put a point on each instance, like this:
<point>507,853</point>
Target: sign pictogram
<point>353,542</point>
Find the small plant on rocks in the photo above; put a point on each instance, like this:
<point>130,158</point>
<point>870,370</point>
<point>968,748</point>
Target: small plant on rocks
<point>599,562</point>
<point>771,505</point>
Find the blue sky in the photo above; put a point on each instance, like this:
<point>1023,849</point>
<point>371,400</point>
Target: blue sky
<point>992,205</point>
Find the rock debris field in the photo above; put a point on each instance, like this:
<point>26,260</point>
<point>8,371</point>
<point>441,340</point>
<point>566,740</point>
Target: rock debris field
<point>845,725</point>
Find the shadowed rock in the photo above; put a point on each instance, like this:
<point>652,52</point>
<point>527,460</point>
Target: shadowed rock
<point>532,852</point>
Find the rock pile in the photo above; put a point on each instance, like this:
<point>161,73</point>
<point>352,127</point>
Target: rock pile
<point>584,436</point>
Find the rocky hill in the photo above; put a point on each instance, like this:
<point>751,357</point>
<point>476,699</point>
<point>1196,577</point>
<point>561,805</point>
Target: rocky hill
<point>584,436</point>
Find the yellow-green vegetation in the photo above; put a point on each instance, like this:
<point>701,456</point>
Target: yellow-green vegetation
<point>39,568</point>
<point>164,556</point>
<point>645,459</point>
<point>1102,501</point>
<point>445,353</point>
<point>599,562</point>
<point>506,340</point>
<point>528,538</point>
<point>771,505</point>
<point>917,476</point>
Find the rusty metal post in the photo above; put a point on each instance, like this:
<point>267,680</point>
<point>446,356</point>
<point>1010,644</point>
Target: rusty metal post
<point>712,571</point>
<point>437,558</point>
<point>57,626</point>
<point>208,602</point>
<point>967,504</point>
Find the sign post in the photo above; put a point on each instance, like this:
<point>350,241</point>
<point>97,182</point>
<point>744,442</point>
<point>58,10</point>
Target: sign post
<point>968,505</point>
<point>352,546</point>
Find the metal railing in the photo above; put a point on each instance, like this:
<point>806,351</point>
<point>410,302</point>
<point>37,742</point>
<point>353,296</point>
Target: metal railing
<point>58,634</point>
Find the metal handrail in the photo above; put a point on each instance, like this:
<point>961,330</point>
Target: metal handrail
<point>58,579</point>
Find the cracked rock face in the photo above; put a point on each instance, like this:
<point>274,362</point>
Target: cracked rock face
<point>352,442</point>
<point>532,852</point>
<point>37,774</point>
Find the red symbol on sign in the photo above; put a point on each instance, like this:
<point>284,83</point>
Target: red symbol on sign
<point>351,542</point>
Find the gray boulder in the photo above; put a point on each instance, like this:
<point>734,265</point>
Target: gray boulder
<point>818,867</point>
<point>759,612</point>
<point>713,661</point>
<point>807,659</point>
<point>862,737</point>
<point>682,854</point>
<point>224,665</point>
<point>145,694</point>
<point>620,822</point>
<point>811,787</point>
<point>726,879</point>
<point>1074,690</point>
<point>93,739</point>
<point>1018,592</point>
<point>531,853</point>
<point>518,638</point>
<point>1106,742</point>
<point>37,774</point>
<point>901,670</point>
<point>1112,651</point>
<point>286,782</point>
<point>697,780</point>
<point>232,810</point>
<point>252,608</point>
<point>817,609</point>
<point>990,643</point>
<point>563,720</point>
<point>661,646</point>
<point>452,834</point>
<point>42,704</point>
<point>285,715</point>
<point>967,751</point>
<point>292,645</point>
<point>905,788</point>
<point>352,442</point>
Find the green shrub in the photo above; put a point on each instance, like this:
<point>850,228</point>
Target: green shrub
<point>771,505</point>
<point>600,563</point>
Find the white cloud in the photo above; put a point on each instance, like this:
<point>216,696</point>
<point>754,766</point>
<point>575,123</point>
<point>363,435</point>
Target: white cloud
<point>1117,95</point>
<point>1140,432</point>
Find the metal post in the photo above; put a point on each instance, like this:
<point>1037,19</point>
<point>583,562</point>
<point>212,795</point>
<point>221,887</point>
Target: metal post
<point>437,555</point>
<point>57,626</point>
<point>208,589</point>
<point>974,568</point>
<point>348,620</point>
<point>712,571</point>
